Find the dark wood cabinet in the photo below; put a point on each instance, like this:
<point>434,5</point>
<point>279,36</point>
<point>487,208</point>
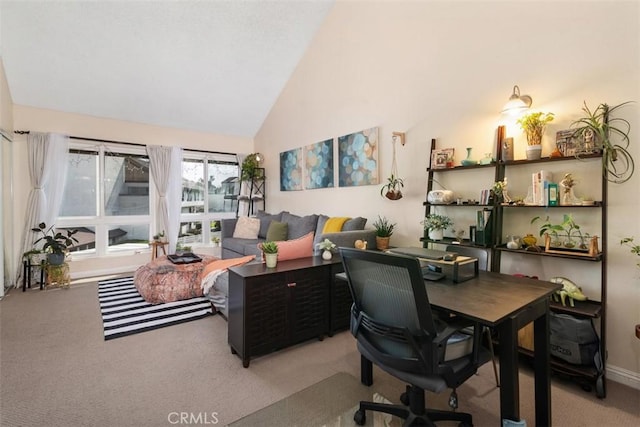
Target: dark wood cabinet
<point>273,308</point>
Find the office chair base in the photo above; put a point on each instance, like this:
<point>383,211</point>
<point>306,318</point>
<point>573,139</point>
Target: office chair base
<point>414,412</point>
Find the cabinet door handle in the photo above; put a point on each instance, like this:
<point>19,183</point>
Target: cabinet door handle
<point>292,284</point>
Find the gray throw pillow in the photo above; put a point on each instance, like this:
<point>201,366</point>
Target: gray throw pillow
<point>357,223</point>
<point>278,231</point>
<point>265,220</point>
<point>322,219</point>
<point>299,226</point>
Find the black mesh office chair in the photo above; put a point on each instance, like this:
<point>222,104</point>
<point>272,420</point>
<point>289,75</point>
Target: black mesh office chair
<point>394,327</point>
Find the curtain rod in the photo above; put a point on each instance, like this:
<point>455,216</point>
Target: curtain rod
<point>26,132</point>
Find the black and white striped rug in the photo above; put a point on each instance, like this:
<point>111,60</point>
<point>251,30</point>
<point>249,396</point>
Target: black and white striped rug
<point>125,312</point>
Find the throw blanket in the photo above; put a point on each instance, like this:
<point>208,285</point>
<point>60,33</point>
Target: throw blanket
<point>334,224</point>
<point>214,269</point>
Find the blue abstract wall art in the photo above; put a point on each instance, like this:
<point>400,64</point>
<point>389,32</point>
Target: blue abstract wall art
<point>291,170</point>
<point>358,158</point>
<point>318,161</point>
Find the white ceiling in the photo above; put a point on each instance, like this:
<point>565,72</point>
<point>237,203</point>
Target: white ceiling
<point>212,66</point>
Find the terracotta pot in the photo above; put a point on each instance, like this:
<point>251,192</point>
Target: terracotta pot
<point>382,243</point>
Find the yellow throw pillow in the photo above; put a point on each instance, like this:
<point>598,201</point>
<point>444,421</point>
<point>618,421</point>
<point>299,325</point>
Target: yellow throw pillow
<point>333,225</point>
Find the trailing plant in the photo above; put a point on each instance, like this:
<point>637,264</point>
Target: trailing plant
<point>55,242</point>
<point>249,166</point>
<point>436,222</point>
<point>533,125</point>
<point>597,128</point>
<point>384,227</point>
<point>269,247</point>
<point>634,249</point>
<point>392,189</point>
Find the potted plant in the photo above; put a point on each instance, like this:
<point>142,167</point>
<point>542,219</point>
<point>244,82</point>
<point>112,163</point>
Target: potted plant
<point>391,190</point>
<point>596,130</point>
<point>327,247</point>
<point>56,244</point>
<point>436,224</point>
<point>216,241</point>
<point>635,249</point>
<point>384,230</point>
<point>534,125</point>
<point>249,166</point>
<point>270,251</point>
<point>567,229</point>
<point>160,237</point>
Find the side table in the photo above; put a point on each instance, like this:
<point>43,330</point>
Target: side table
<point>26,273</point>
<point>154,248</point>
<point>58,275</point>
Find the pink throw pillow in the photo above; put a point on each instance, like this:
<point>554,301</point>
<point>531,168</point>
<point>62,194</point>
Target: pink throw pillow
<point>301,247</point>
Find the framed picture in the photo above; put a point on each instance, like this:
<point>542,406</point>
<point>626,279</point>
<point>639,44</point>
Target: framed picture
<point>566,143</point>
<point>442,159</point>
<point>358,158</point>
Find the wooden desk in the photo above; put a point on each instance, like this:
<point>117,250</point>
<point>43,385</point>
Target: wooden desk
<point>506,303</point>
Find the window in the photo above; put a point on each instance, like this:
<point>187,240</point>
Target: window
<point>107,198</point>
<point>210,188</point>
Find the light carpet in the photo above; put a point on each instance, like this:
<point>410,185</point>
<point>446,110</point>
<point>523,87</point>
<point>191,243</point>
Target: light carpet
<point>125,312</point>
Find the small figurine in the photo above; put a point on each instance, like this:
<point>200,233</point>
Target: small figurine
<point>569,289</point>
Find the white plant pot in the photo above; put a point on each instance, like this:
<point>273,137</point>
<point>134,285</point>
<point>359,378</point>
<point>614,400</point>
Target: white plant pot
<point>327,255</point>
<point>271,260</point>
<point>436,234</point>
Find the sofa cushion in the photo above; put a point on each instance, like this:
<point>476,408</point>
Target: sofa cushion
<point>241,246</point>
<point>357,223</point>
<point>322,219</point>
<point>277,231</point>
<point>246,228</point>
<point>334,224</point>
<point>265,219</point>
<point>296,248</point>
<point>300,226</point>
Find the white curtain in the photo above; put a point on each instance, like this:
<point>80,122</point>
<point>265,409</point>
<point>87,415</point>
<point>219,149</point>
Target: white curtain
<point>47,161</point>
<point>166,169</point>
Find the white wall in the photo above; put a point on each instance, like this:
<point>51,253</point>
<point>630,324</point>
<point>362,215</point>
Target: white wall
<point>444,70</point>
<point>34,119</point>
<point>6,126</point>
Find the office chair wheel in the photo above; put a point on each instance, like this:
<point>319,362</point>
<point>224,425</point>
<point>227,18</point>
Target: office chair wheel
<point>360,417</point>
<point>453,400</point>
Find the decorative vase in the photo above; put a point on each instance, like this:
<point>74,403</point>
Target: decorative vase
<point>327,255</point>
<point>436,234</point>
<point>271,260</point>
<point>534,152</point>
<point>468,161</point>
<point>382,243</point>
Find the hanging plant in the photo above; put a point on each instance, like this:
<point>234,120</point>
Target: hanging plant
<point>392,189</point>
<point>596,130</point>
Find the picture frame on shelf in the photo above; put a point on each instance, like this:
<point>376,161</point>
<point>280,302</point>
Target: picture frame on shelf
<point>567,143</point>
<point>442,158</point>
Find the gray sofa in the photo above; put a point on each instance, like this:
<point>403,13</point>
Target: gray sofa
<point>298,226</point>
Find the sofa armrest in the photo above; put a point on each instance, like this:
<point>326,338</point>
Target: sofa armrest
<point>348,238</point>
<point>227,226</point>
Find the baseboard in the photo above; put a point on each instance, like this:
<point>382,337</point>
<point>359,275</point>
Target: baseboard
<point>104,272</point>
<point>623,376</point>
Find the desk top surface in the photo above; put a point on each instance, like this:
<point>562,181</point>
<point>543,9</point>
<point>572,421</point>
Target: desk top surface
<point>489,297</point>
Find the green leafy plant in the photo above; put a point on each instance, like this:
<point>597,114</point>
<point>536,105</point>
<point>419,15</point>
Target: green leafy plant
<point>436,222</point>
<point>55,242</point>
<point>159,236</point>
<point>533,125</point>
<point>384,227</point>
<point>249,166</point>
<point>596,130</point>
<point>269,247</point>
<point>392,189</point>
<point>634,248</point>
<point>567,228</point>
<point>327,245</point>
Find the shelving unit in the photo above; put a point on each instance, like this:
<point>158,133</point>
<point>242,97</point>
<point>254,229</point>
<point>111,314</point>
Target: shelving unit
<point>256,192</point>
<point>591,309</point>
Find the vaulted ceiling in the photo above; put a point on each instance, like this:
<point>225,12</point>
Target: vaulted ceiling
<point>211,66</point>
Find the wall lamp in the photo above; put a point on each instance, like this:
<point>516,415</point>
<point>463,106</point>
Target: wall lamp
<point>517,103</point>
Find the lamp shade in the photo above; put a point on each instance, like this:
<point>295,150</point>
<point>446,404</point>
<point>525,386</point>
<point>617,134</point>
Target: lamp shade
<point>517,103</point>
